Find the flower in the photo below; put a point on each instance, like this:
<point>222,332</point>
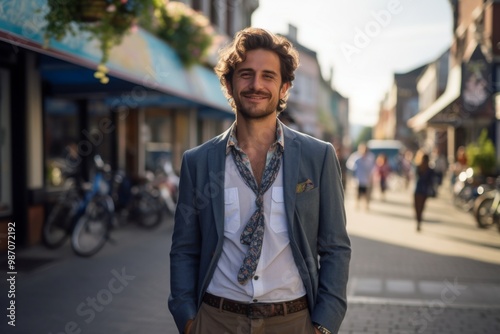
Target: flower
<point>108,21</point>
<point>111,9</point>
<point>185,30</point>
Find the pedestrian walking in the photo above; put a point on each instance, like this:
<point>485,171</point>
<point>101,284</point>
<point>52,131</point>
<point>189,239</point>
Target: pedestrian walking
<point>382,171</point>
<point>440,165</point>
<point>424,186</point>
<point>362,163</point>
<point>406,167</point>
<point>259,243</point>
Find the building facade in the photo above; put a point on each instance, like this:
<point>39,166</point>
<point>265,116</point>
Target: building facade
<point>314,106</point>
<point>153,107</point>
<point>469,102</point>
<point>400,103</point>
<point>385,128</point>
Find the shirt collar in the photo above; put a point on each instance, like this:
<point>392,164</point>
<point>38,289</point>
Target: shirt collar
<point>233,141</point>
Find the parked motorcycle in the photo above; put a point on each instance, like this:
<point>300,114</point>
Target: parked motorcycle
<point>137,201</point>
<point>487,208</point>
<point>468,187</point>
<point>464,190</point>
<point>167,183</point>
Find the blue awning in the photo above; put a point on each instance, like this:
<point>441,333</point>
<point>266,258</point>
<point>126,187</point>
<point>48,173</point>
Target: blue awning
<point>142,60</point>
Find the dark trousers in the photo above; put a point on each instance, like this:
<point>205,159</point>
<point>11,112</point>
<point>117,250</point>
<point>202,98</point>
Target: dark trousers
<point>419,201</point>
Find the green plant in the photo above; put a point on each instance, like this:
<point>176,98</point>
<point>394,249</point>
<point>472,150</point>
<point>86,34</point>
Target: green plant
<point>186,30</point>
<point>108,21</point>
<point>481,154</point>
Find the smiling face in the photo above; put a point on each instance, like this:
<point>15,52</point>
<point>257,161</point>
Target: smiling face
<point>257,86</point>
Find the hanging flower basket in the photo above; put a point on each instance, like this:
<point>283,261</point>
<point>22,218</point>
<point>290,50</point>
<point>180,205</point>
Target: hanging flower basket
<point>92,10</point>
<point>188,32</point>
<point>107,21</point>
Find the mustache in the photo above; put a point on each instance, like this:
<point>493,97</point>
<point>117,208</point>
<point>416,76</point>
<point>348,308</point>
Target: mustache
<point>255,92</point>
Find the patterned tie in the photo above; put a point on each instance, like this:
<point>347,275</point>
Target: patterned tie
<point>253,234</point>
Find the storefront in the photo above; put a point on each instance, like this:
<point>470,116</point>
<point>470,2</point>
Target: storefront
<point>55,116</point>
<point>5,144</point>
<point>465,108</point>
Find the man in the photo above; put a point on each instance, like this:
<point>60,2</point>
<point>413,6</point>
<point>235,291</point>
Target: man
<point>362,164</point>
<point>258,206</point>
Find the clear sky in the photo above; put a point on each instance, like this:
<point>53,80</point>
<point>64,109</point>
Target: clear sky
<point>365,41</point>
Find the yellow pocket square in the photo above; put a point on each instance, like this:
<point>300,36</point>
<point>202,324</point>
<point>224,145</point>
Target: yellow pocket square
<point>304,186</point>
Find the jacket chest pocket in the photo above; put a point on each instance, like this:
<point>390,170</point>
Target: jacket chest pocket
<point>278,214</point>
<point>231,210</point>
<point>307,206</point>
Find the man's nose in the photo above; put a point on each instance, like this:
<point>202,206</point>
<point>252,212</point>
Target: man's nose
<point>256,83</point>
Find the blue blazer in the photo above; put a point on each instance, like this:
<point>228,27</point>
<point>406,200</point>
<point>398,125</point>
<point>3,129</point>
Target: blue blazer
<point>316,225</point>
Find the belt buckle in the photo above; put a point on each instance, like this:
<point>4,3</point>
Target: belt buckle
<point>260,310</point>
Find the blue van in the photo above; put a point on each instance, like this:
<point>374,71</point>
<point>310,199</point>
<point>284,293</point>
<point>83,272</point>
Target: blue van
<point>393,149</point>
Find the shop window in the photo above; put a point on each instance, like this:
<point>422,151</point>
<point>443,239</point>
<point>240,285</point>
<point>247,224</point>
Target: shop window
<point>182,138</point>
<point>74,132</point>
<point>5,146</point>
<point>100,130</point>
<point>157,133</point>
<point>61,140</point>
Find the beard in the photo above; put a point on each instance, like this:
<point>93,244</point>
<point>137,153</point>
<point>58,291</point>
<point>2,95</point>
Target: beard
<point>250,110</point>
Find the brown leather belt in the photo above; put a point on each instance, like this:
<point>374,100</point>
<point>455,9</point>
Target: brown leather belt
<point>256,310</point>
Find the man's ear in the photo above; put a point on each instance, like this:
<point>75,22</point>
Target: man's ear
<point>284,89</point>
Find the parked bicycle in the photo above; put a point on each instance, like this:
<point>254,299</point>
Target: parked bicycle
<point>120,203</point>
<point>70,206</point>
<point>91,230</point>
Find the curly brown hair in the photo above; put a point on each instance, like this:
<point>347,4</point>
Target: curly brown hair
<point>251,39</point>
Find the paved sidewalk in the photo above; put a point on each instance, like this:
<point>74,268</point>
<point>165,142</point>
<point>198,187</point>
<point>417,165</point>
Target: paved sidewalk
<point>445,279</point>
<point>121,290</point>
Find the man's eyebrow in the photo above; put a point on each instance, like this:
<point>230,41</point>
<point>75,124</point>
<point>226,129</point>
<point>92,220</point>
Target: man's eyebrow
<point>248,69</point>
<point>270,72</point>
<point>245,69</point>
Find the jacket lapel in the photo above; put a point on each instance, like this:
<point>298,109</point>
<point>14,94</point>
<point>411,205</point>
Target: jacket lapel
<point>216,171</point>
<point>290,172</point>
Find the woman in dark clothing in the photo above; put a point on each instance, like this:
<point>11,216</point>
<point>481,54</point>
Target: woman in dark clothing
<point>424,185</point>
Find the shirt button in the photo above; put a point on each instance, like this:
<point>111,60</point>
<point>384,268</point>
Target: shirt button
<point>256,277</point>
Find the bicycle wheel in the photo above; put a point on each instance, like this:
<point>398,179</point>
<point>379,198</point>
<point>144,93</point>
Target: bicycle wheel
<point>92,229</point>
<point>58,224</point>
<point>484,216</point>
<point>147,209</point>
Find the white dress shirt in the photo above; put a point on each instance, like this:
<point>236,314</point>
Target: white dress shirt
<point>277,278</point>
